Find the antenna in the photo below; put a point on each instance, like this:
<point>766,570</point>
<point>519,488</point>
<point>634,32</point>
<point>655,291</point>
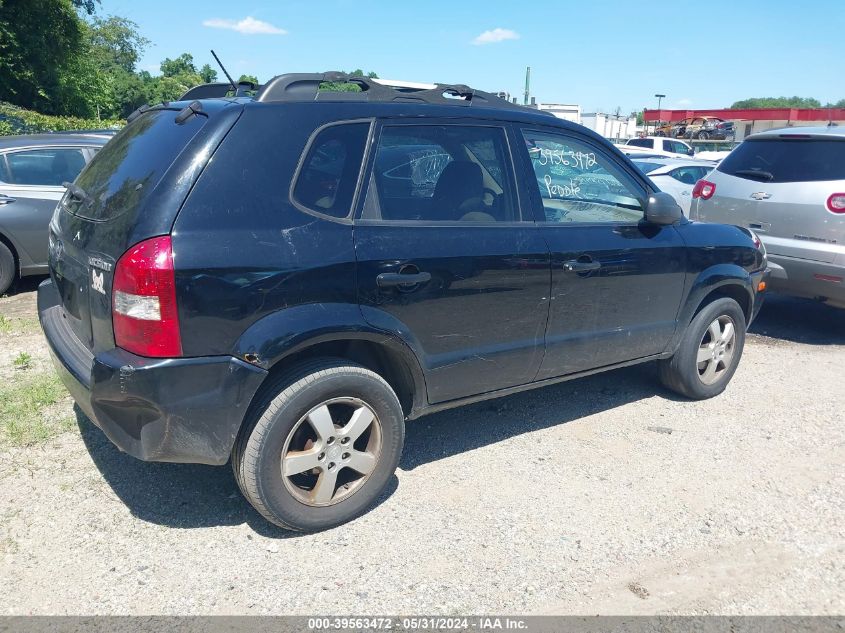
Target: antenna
<point>225,72</point>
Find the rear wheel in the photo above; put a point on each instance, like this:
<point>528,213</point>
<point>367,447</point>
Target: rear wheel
<point>702,135</point>
<point>7,268</point>
<point>321,445</point>
<point>709,352</point>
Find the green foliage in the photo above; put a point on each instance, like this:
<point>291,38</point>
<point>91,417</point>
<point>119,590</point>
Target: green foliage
<point>39,40</point>
<point>208,74</point>
<point>250,78</point>
<point>16,120</point>
<point>29,413</point>
<point>777,102</point>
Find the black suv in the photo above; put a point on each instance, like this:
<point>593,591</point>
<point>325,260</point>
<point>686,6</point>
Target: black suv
<point>284,279</point>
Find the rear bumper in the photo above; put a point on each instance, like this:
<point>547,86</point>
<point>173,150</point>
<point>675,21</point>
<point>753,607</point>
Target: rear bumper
<point>808,278</point>
<point>173,410</point>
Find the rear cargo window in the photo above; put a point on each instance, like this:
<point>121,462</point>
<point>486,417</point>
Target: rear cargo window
<point>131,164</point>
<point>782,160</point>
<point>328,178</point>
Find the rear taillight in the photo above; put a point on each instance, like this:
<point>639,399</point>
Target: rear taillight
<point>144,312</point>
<point>703,189</point>
<point>836,203</point>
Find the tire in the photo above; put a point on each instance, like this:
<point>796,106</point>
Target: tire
<point>284,421</point>
<point>703,136</point>
<point>684,374</point>
<point>660,133</point>
<point>7,268</point>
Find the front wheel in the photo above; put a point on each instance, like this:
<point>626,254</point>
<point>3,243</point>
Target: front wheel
<point>703,136</point>
<point>320,446</point>
<point>709,352</point>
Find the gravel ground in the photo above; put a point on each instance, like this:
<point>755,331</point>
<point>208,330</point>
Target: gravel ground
<point>573,499</point>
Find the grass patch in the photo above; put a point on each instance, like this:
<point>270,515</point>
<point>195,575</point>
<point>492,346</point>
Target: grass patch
<point>22,361</point>
<point>18,325</point>
<point>27,412</point>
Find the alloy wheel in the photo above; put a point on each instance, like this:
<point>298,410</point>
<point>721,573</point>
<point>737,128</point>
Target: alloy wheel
<point>331,451</point>
<point>716,350</point>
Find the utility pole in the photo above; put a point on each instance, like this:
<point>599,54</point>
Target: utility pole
<point>659,99</point>
<point>527,84</point>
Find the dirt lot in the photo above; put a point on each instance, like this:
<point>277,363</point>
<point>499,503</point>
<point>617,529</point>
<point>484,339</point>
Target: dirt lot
<point>570,499</point>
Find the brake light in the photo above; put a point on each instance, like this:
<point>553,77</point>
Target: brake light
<point>836,203</point>
<point>703,189</point>
<point>144,313</point>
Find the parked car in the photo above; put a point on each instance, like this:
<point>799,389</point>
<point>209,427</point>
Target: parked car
<point>675,176</point>
<point>658,145</point>
<point>789,187</point>
<point>700,127</point>
<point>209,299</point>
<point>723,130</point>
<point>32,170</point>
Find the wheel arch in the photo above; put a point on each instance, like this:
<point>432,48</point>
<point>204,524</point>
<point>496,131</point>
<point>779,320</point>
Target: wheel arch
<point>294,335</point>
<point>723,280</point>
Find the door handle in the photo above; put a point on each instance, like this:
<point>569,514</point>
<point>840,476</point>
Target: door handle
<point>4,199</point>
<point>575,266</point>
<point>386,280</point>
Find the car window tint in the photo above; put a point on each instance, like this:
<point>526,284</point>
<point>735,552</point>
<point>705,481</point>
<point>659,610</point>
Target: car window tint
<point>329,175</point>
<point>686,175</point>
<point>48,167</point>
<point>787,160</point>
<point>441,173</point>
<point>578,184</point>
<point>642,142</point>
<point>646,167</point>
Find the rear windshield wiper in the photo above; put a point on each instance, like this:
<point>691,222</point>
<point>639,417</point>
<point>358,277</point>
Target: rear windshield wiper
<point>78,193</point>
<point>762,176</point>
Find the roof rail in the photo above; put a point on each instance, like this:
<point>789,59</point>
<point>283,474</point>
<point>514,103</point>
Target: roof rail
<point>305,87</point>
<point>216,90</point>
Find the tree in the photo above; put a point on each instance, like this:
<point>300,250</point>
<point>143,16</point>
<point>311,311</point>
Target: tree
<point>335,86</point>
<point>250,78</point>
<point>182,65</point>
<point>89,6</point>
<point>777,102</point>
<point>208,74</point>
<point>40,43</point>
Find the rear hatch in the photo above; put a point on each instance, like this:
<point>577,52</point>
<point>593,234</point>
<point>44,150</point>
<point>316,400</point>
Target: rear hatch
<point>132,190</point>
<point>779,185</point>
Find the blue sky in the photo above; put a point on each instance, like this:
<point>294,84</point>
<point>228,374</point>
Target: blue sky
<point>601,55</point>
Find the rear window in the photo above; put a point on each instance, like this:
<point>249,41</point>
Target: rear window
<point>132,163</point>
<point>787,160</point>
<point>329,175</point>
<point>642,142</point>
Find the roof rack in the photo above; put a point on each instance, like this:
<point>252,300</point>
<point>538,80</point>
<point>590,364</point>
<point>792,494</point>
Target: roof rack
<point>299,87</point>
<point>216,90</point>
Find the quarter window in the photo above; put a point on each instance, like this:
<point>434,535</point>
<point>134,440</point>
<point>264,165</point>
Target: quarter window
<point>577,184</point>
<point>46,167</point>
<point>441,173</point>
<point>329,175</point>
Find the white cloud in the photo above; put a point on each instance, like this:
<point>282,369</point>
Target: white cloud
<point>496,35</point>
<point>248,26</point>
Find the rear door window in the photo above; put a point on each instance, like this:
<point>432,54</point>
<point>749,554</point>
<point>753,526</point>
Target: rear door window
<point>328,178</point>
<point>442,173</point>
<point>50,166</point>
<point>787,160</point>
<point>130,165</point>
<point>642,142</point>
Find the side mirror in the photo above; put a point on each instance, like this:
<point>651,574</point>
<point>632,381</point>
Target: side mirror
<point>691,152</point>
<point>661,208</point>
